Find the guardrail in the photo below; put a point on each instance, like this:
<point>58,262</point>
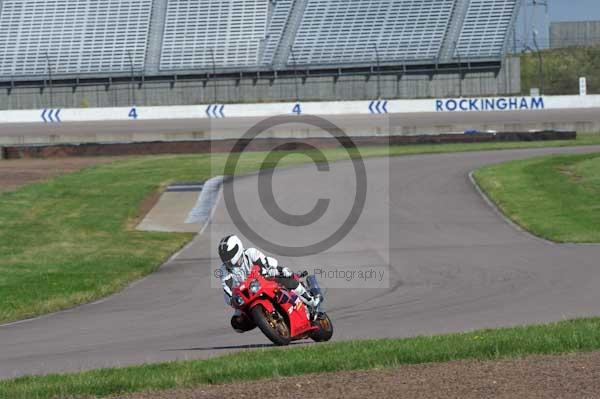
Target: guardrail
<point>221,111</point>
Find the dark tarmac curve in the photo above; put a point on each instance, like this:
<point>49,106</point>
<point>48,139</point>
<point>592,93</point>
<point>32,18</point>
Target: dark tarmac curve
<point>455,265</point>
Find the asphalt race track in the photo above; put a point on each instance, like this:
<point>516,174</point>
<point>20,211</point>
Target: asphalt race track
<point>456,265</point>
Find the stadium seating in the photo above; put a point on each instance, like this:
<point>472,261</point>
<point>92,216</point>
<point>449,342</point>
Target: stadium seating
<point>232,29</point>
<point>485,28</point>
<point>341,31</point>
<point>277,24</point>
<point>73,37</point>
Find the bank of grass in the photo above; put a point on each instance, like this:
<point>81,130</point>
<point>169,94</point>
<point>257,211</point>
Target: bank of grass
<point>70,240</point>
<point>562,69</point>
<point>563,337</point>
<point>554,197</point>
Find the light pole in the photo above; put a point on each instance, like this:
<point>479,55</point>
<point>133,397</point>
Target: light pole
<point>50,79</point>
<point>542,3</point>
<point>295,73</point>
<point>460,74</point>
<point>540,69</point>
<point>378,72</point>
<point>535,4</point>
<point>540,62</point>
<point>528,19</point>
<point>214,67</point>
<point>132,95</point>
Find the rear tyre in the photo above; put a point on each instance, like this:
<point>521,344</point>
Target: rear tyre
<point>325,331</point>
<point>273,325</point>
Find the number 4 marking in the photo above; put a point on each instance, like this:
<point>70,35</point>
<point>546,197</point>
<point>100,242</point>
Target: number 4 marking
<point>133,113</point>
<point>297,109</point>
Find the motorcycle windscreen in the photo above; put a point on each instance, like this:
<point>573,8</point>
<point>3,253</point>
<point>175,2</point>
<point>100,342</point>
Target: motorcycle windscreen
<point>313,285</point>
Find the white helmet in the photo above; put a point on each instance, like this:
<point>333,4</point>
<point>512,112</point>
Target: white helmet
<point>231,250</point>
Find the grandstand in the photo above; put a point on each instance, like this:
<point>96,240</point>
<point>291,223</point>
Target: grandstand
<point>198,32</point>
<point>394,31</point>
<point>73,36</point>
<point>93,41</point>
<point>485,28</point>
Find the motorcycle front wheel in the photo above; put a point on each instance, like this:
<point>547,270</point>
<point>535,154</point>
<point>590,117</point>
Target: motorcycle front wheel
<point>325,331</point>
<point>273,325</point>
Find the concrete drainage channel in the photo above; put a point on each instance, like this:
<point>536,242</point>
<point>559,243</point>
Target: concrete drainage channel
<point>184,207</point>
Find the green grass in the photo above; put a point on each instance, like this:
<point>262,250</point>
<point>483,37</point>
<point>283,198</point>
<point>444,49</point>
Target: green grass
<point>562,70</point>
<point>563,337</point>
<point>554,197</point>
<point>70,240</point>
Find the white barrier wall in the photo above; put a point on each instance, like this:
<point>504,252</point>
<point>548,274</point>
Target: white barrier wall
<point>494,104</point>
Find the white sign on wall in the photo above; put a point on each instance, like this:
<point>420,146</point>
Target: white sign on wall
<point>582,86</point>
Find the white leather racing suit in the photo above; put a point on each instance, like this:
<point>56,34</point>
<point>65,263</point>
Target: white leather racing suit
<point>238,274</point>
<point>231,278</point>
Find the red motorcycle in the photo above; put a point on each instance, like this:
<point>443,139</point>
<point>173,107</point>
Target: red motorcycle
<point>278,312</point>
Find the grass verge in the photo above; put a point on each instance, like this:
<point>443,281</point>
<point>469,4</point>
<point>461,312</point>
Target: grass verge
<point>562,69</point>
<point>71,240</point>
<point>555,197</point>
<point>563,337</point>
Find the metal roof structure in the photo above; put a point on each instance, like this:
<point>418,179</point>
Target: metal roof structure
<point>68,38</point>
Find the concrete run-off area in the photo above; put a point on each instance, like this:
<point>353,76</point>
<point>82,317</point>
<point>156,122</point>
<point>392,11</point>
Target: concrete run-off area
<point>183,207</point>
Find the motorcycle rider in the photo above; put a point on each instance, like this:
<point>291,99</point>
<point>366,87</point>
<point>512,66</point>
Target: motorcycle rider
<point>236,267</point>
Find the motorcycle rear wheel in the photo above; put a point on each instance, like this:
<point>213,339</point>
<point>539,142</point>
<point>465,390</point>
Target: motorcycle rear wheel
<point>272,325</point>
<point>325,331</point>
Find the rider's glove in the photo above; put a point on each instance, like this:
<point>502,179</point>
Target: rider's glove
<point>285,272</point>
<point>272,273</point>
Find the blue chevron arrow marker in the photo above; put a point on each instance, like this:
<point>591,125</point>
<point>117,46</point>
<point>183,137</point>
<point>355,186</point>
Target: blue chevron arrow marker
<point>51,115</point>
<point>215,111</point>
<point>378,107</point>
